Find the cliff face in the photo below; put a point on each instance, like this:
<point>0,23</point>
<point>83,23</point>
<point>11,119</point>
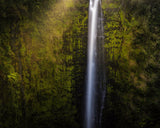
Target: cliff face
<point>43,51</point>
<point>132,42</point>
<point>42,67</point>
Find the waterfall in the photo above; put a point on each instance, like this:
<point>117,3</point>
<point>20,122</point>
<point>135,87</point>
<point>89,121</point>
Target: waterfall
<point>101,67</point>
<point>95,85</point>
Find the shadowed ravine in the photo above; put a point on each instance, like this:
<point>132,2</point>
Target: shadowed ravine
<point>79,64</point>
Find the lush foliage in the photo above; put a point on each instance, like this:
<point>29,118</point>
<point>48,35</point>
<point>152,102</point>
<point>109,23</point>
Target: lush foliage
<point>132,46</point>
<point>42,44</point>
<point>43,56</point>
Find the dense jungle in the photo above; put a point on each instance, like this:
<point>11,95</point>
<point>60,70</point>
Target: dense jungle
<point>43,61</point>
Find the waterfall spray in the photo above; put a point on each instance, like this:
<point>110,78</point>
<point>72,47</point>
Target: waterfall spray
<point>95,35</point>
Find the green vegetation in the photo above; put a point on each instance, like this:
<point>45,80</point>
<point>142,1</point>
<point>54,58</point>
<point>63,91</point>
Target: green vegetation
<point>132,45</point>
<point>40,50</point>
<point>43,56</point>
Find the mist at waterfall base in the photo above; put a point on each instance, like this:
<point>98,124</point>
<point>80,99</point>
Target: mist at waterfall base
<point>95,81</point>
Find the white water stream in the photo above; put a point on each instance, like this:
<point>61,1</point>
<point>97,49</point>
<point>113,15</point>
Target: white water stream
<point>91,67</point>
